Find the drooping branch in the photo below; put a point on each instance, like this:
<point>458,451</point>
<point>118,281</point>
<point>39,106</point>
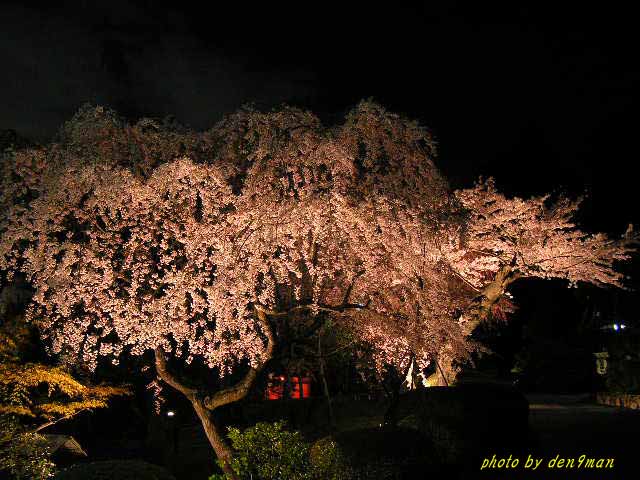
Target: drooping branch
<point>464,280</point>
<point>338,350</point>
<point>241,389</point>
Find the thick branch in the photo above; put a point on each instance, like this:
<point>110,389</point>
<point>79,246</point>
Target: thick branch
<point>241,389</point>
<point>466,282</point>
<point>169,378</point>
<point>321,307</point>
<point>347,294</point>
<point>217,441</point>
<point>53,422</point>
<point>339,349</point>
<point>474,315</point>
<point>480,308</point>
<point>442,375</point>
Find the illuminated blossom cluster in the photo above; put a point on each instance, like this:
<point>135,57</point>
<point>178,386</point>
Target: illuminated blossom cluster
<point>506,239</point>
<point>537,237</point>
<point>150,235</point>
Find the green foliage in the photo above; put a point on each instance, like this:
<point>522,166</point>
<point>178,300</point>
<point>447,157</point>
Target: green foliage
<point>39,392</point>
<point>267,451</point>
<point>33,394</point>
<point>23,455</point>
<point>328,460</point>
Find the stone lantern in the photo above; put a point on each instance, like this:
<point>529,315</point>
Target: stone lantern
<point>601,362</point>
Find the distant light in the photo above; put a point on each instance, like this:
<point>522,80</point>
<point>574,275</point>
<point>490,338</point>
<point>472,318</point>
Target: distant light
<point>616,327</point>
<point>171,413</point>
<point>623,326</point>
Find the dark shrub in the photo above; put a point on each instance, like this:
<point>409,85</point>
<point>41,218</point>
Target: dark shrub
<point>623,375</point>
<point>466,419</point>
<point>381,453</point>
<point>115,470</point>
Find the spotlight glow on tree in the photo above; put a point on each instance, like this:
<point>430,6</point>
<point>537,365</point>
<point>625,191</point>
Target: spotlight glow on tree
<point>193,245</point>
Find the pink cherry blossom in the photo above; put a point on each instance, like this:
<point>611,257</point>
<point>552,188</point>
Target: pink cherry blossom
<point>137,237</point>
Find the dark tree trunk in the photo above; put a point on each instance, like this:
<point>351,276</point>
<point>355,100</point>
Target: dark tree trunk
<point>325,386</point>
<point>204,404</point>
<point>479,310</point>
<point>393,393</point>
<point>391,414</point>
<point>217,441</point>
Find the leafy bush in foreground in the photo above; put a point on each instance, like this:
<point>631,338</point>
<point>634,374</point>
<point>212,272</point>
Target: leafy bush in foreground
<point>23,455</point>
<point>267,451</point>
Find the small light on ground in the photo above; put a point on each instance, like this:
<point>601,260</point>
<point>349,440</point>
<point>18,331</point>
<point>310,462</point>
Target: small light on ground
<point>171,413</point>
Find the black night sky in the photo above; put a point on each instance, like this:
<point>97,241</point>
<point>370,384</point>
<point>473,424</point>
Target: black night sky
<point>540,98</point>
<point>543,99</point>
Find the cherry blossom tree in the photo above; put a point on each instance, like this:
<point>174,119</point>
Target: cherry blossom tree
<point>195,246</point>
<point>507,239</point>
